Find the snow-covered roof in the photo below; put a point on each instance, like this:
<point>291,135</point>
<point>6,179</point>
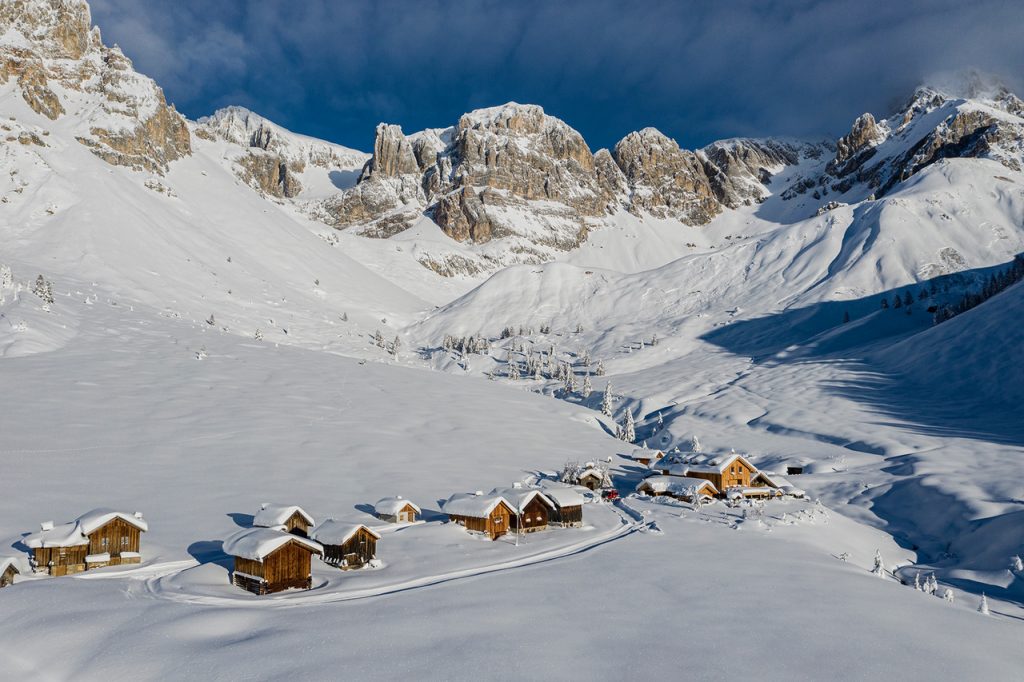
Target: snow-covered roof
<point>259,543</point>
<point>781,482</point>
<point>592,471</point>
<point>392,505</point>
<point>273,515</point>
<point>101,516</point>
<point>675,485</point>
<point>64,535</point>
<point>518,498</point>
<point>647,453</point>
<point>333,532</point>
<point>564,497</point>
<point>470,504</point>
<point>7,562</point>
<point>74,533</point>
<point>705,463</point>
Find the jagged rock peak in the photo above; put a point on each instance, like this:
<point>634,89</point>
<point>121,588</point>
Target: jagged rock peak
<point>50,47</point>
<point>666,181</point>
<point>864,133</point>
<point>57,29</point>
<point>393,154</point>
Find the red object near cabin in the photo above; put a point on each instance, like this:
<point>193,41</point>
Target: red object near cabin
<point>610,494</point>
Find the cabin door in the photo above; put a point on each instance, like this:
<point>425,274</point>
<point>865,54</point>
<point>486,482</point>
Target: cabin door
<point>403,517</point>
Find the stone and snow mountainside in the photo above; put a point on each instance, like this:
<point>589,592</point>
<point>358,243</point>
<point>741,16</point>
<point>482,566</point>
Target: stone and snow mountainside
<point>276,161</point>
<point>193,306</point>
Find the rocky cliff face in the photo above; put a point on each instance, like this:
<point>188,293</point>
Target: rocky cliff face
<point>59,61</point>
<point>875,155</point>
<point>515,172</point>
<point>269,158</point>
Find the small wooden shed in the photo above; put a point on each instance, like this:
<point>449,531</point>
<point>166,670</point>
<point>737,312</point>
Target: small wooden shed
<point>346,545</point>
<point>8,570</point>
<point>592,479</point>
<point>270,560</point>
<point>289,517</point>
<point>531,506</point>
<point>645,455</point>
<point>396,510</point>
<point>568,507</point>
<point>101,537</point>
<point>479,513</point>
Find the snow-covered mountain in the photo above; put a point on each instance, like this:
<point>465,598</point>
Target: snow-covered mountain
<point>248,299</point>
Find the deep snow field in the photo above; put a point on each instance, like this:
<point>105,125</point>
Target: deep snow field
<point>209,349</point>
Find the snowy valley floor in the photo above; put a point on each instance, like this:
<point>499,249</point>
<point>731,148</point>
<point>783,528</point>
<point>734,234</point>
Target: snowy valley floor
<point>121,413</point>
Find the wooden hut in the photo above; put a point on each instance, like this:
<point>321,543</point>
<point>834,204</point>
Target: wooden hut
<point>396,510</point>
<point>101,537</point>
<point>592,479</point>
<point>8,570</point>
<point>568,507</point>
<point>531,506</point>
<point>288,517</point>
<point>271,560</point>
<point>772,481</point>
<point>678,487</point>
<point>346,545</point>
<point>479,513</point>
<point>645,455</point>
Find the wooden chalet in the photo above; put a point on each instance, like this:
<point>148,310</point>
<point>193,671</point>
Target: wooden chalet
<point>645,455</point>
<point>568,507</point>
<point>531,506</point>
<point>8,570</point>
<point>268,560</point>
<point>479,513</point>
<point>346,545</point>
<point>396,510</point>
<point>101,537</point>
<point>724,471</point>
<point>777,484</point>
<point>289,517</point>
<point>677,487</point>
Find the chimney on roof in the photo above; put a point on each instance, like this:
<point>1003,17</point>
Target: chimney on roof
<point>478,493</point>
<point>138,515</point>
<point>399,497</point>
<point>46,525</point>
<point>517,484</point>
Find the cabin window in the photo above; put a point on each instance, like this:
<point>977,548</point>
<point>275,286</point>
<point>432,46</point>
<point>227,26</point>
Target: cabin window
<point>105,542</point>
<point>124,540</point>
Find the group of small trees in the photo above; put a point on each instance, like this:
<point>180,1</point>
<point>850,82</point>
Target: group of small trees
<point>392,348</point>
<point>466,345</point>
<point>992,285</point>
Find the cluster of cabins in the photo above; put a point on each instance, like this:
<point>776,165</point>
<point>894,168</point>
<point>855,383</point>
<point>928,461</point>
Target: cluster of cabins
<point>685,476</point>
<point>517,509</point>
<point>276,553</point>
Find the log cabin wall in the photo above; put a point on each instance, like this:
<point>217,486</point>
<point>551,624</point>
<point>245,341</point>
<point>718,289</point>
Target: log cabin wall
<point>288,566</point>
<point>568,516</point>
<point>65,559</point>
<point>535,517</point>
<point>115,536</point>
<point>297,525</point>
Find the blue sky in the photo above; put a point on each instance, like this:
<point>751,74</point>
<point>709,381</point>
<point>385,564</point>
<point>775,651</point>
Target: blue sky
<point>699,71</point>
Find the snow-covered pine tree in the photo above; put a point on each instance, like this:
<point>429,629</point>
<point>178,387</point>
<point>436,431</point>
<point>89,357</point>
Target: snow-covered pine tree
<point>396,345</point>
<point>211,321</point>
<point>570,383</point>
<point>879,567</point>
<point>378,339</point>
<point>600,368</point>
<point>258,335</point>
<point>917,581</point>
<point>585,358</point>
<point>931,585</point>
<point>654,340</point>
<point>607,400</point>
<point>628,427</point>
<point>1016,565</point>
<point>695,446</point>
<point>948,595</point>
<point>588,388</point>
<point>983,606</point>
<point>660,425</point>
<point>6,277</point>
<point>513,370</point>
<point>538,373</point>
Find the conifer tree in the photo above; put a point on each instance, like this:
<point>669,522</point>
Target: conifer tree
<point>606,400</point>
<point>983,606</point>
<point>628,427</point>
<point>600,368</point>
<point>587,386</point>
<point>879,567</point>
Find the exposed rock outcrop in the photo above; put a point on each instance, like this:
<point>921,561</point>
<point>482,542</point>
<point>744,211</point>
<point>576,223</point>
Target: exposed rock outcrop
<point>664,180</point>
<point>58,58</point>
